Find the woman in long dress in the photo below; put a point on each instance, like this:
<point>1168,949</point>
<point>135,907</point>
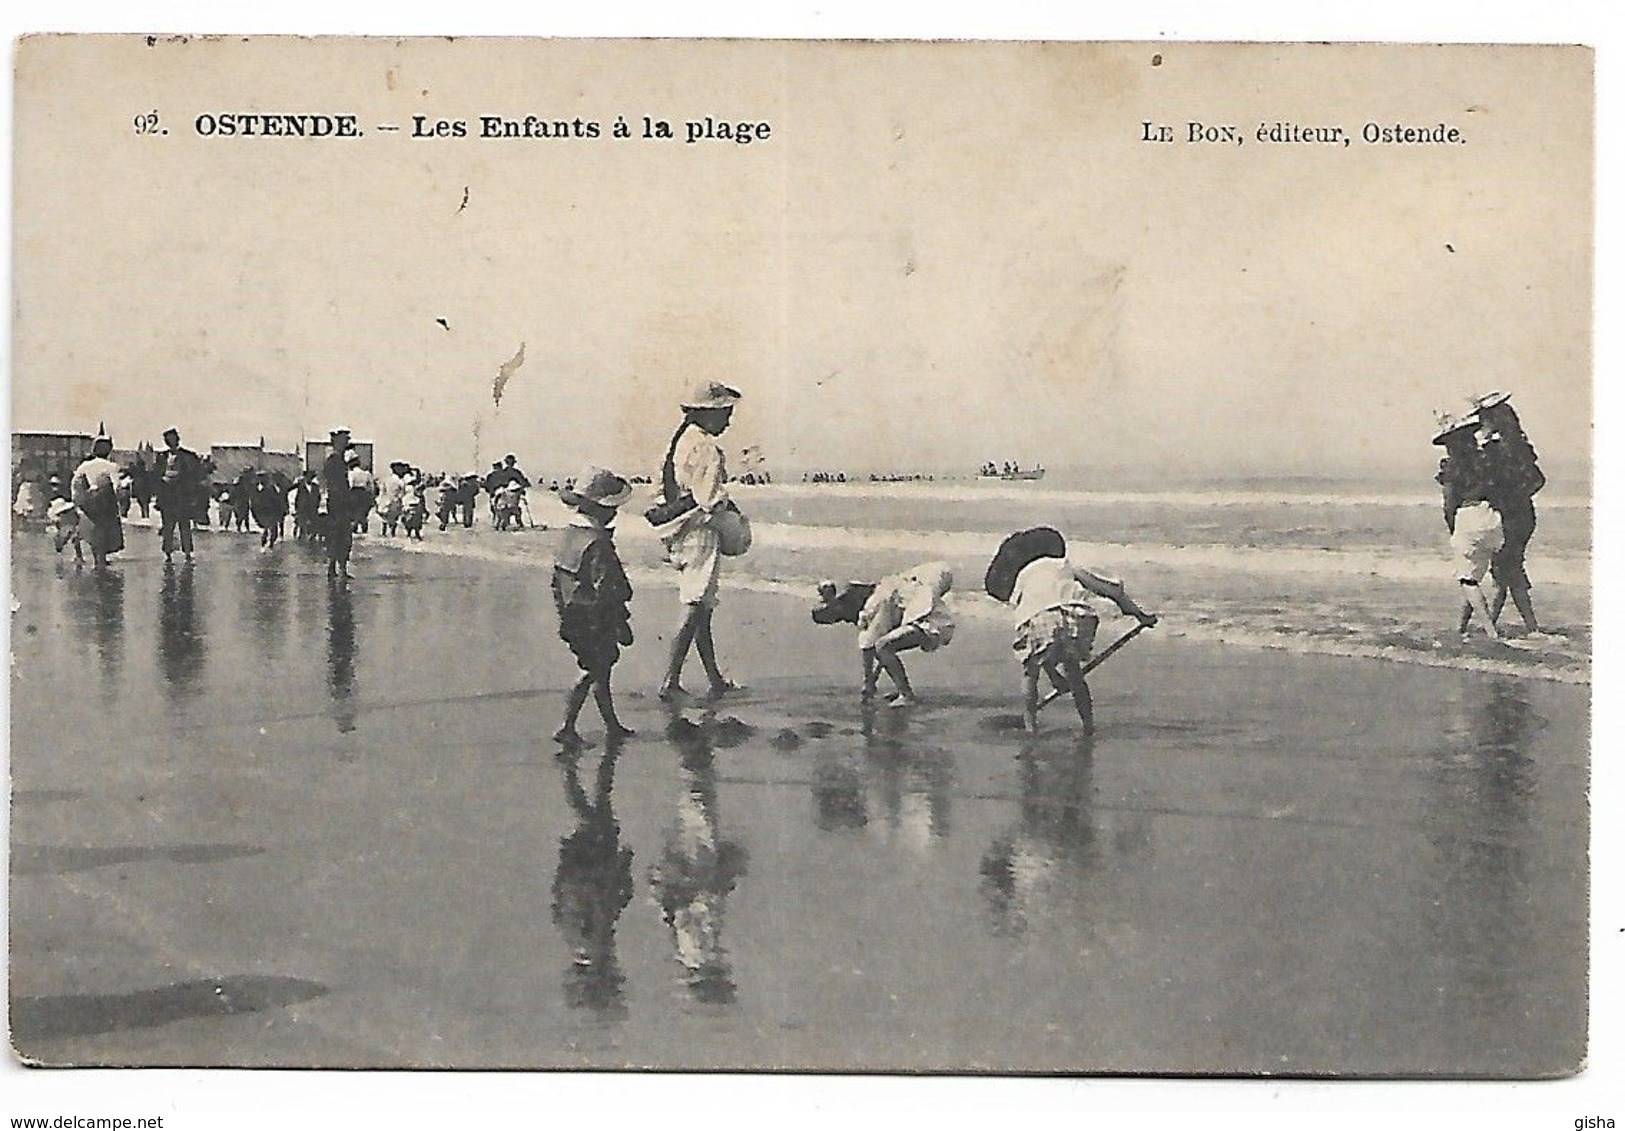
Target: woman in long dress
<point>95,493</point>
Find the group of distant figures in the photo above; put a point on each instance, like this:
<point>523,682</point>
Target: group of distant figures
<point>873,477</point>
<point>85,510</point>
<point>1490,475</point>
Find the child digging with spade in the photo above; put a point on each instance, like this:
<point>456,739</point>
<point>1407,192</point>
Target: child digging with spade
<point>1055,623</point>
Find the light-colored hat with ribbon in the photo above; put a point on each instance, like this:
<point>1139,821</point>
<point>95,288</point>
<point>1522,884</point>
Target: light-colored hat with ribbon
<point>597,485</point>
<point>712,394</point>
<point>1448,423</point>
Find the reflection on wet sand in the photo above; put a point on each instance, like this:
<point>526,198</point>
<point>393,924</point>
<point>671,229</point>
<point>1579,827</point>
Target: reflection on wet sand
<point>839,801</point>
<point>181,651</point>
<point>912,781</point>
<point>699,866</point>
<point>1481,785</point>
<point>1043,867</point>
<point>268,611</point>
<point>915,780</point>
<point>341,652</point>
<point>592,886</point>
<point>96,602</point>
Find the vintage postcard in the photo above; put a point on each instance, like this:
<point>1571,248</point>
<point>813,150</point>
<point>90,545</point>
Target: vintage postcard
<point>944,557</point>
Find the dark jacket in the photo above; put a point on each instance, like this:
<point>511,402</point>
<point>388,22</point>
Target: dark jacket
<point>176,476</point>
<point>592,594</point>
<point>1515,474</point>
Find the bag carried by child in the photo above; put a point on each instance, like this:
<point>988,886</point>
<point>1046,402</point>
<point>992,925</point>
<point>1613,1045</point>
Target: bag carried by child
<point>730,523</point>
<point>673,504</point>
<point>733,530</point>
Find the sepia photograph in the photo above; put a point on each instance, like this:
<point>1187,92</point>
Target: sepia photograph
<point>802,556</point>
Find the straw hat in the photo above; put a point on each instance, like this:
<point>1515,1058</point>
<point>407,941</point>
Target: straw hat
<point>1449,424</point>
<point>597,485</point>
<point>712,394</point>
<point>1489,400</point>
<point>840,603</point>
<point>1016,553</point>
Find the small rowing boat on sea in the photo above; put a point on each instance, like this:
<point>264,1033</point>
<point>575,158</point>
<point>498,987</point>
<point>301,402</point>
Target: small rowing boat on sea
<point>1011,473</point>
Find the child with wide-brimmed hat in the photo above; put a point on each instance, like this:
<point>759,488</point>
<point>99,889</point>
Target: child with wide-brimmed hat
<point>1055,622</point>
<point>63,523</point>
<point>593,597</point>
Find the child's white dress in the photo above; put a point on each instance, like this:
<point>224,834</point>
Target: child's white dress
<point>913,599</point>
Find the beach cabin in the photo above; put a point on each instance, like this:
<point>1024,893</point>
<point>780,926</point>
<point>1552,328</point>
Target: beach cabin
<point>40,455</point>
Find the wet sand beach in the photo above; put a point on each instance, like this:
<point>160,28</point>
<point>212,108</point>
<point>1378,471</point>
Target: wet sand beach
<point>261,821</point>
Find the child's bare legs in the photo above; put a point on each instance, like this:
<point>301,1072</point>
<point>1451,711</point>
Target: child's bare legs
<point>596,682</point>
<point>680,644</point>
<point>707,648</point>
<point>573,702</point>
<point>871,675</point>
<point>613,727</point>
<point>1029,701</point>
<point>1474,601</point>
<point>1520,600</point>
<point>695,632</point>
<point>1081,699</point>
<point>895,641</point>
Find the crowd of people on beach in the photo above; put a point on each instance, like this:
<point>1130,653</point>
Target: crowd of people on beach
<point>1490,475</point>
<point>86,509</point>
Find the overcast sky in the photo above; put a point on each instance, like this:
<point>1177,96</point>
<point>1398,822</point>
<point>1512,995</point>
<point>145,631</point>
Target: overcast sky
<point>943,254</point>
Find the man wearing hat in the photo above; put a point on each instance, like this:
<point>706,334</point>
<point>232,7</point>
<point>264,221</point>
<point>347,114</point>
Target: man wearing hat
<point>694,481</point>
<point>336,487</point>
<point>177,476</point>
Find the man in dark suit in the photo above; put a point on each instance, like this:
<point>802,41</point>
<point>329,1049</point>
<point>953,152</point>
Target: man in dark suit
<point>175,471</point>
<point>340,516</point>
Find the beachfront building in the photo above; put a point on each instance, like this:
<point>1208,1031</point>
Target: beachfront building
<point>39,455</point>
<point>126,457</point>
<point>230,459</point>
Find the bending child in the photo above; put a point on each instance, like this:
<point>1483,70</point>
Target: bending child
<point>897,614</point>
<point>592,594</point>
<point>63,524</point>
<point>1055,622</point>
